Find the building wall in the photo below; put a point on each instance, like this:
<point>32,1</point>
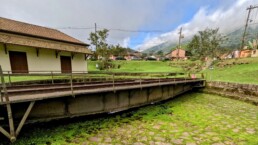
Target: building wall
<point>45,61</point>
<point>180,52</point>
<point>4,59</point>
<point>245,53</point>
<point>255,53</point>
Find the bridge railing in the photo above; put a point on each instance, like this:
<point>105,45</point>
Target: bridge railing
<point>9,78</point>
<point>82,76</point>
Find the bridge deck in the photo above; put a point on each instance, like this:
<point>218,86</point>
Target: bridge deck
<point>28,93</point>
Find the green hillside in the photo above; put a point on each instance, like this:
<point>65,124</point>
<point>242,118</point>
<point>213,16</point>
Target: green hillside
<point>233,70</point>
<point>235,37</point>
<point>233,40</point>
<point>240,70</point>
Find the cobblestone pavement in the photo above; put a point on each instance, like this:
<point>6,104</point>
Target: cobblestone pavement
<point>191,119</point>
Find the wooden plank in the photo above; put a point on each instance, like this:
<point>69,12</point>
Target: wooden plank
<point>4,132</point>
<point>8,106</point>
<point>24,118</point>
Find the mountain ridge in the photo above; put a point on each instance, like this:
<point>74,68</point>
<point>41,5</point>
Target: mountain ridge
<point>233,40</point>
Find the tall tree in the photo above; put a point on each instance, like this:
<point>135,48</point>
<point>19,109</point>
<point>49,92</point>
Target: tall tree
<point>207,44</point>
<point>99,40</point>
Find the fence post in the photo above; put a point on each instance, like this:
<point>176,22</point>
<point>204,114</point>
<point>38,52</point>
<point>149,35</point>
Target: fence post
<point>52,76</point>
<point>84,77</point>
<point>71,82</point>
<point>2,89</point>
<point>8,107</point>
<point>141,81</point>
<point>113,82</point>
<point>9,77</point>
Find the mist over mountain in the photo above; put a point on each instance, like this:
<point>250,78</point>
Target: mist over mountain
<point>233,41</point>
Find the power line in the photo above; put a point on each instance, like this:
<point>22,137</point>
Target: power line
<point>75,28</point>
<point>136,31</point>
<point>112,29</point>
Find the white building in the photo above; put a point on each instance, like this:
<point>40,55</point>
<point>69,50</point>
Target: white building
<point>27,48</point>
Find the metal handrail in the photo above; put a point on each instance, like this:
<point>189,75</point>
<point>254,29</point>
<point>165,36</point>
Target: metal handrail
<point>97,75</point>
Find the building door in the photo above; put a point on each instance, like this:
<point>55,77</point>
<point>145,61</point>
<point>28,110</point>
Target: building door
<point>66,64</point>
<point>18,62</point>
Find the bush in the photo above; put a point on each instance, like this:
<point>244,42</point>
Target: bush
<point>103,65</point>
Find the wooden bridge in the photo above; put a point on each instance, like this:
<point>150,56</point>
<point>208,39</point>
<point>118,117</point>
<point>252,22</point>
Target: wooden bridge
<point>23,103</point>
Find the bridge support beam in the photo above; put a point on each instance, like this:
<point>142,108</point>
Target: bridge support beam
<point>24,118</point>
<point>4,132</point>
<point>13,134</point>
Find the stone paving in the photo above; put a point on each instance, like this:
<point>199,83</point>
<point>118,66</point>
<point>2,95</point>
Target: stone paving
<point>218,121</point>
<point>191,119</point>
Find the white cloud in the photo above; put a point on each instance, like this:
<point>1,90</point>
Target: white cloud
<point>123,14</point>
<point>126,42</point>
<point>226,19</point>
<point>127,14</point>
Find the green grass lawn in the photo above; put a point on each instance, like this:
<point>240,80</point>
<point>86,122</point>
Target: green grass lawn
<point>138,66</point>
<point>190,119</point>
<point>243,71</point>
<point>240,70</point>
<point>126,66</point>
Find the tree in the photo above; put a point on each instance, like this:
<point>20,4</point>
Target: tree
<point>207,44</point>
<point>160,53</point>
<point>99,40</point>
<point>151,52</point>
<point>144,55</point>
<point>103,50</point>
<point>118,50</point>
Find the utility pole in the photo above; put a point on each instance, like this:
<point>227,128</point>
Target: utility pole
<point>96,45</point>
<point>179,43</point>
<point>246,24</point>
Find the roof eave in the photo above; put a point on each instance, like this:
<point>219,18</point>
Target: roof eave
<point>46,38</point>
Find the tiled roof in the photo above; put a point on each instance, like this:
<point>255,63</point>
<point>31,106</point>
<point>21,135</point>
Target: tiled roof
<point>34,30</point>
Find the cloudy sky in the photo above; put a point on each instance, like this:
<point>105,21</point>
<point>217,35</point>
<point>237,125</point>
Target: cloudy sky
<point>138,24</point>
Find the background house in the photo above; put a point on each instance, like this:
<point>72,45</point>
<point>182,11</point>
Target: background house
<point>26,48</point>
<point>133,55</point>
<point>177,53</point>
<point>245,53</point>
<point>254,53</point>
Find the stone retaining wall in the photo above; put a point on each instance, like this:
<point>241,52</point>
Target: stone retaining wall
<point>246,92</point>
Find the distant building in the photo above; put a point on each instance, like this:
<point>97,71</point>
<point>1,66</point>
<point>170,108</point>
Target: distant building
<point>28,48</point>
<point>236,54</point>
<point>133,55</point>
<point>226,56</point>
<point>254,53</point>
<point>245,53</point>
<point>177,53</point>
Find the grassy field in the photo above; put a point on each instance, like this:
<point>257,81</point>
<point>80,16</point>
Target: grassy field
<point>233,70</point>
<point>190,119</point>
<point>240,71</point>
<point>139,66</point>
<point>126,66</point>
